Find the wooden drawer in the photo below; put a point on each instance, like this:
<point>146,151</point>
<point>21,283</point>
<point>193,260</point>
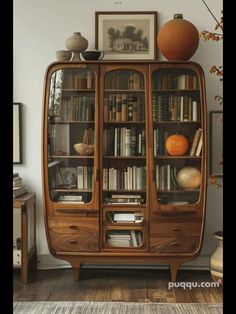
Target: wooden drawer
<point>174,245</point>
<point>79,235</point>
<point>69,226</point>
<point>174,229</point>
<point>82,242</point>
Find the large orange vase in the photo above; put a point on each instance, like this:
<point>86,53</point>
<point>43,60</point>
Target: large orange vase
<point>178,39</point>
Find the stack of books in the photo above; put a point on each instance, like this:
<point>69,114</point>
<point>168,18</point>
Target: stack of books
<point>18,187</point>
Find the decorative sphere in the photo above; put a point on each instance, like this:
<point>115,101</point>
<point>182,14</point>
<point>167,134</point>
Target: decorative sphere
<point>176,145</point>
<point>189,178</point>
<point>178,39</point>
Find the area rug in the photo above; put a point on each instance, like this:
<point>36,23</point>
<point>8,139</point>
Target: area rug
<point>45,307</point>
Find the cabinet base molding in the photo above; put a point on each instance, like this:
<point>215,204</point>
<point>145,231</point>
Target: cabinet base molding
<point>174,263</point>
<point>46,261</point>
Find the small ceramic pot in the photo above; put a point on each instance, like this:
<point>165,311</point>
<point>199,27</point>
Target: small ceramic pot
<point>91,55</point>
<point>63,55</point>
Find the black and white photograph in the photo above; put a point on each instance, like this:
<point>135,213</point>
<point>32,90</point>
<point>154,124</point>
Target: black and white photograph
<point>17,149</point>
<point>126,35</point>
<point>216,143</point>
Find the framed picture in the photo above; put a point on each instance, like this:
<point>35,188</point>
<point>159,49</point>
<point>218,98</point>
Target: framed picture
<point>17,134</point>
<point>126,35</point>
<point>216,143</point>
<point>69,176</point>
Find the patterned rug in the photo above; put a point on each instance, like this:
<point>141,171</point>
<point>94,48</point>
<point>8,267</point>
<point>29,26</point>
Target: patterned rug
<point>61,307</point>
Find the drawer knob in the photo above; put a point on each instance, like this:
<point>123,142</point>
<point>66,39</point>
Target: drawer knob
<point>176,229</point>
<point>175,244</point>
<point>73,242</point>
<point>73,227</point>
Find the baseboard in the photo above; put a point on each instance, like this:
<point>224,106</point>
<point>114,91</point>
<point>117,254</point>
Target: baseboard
<point>49,262</point>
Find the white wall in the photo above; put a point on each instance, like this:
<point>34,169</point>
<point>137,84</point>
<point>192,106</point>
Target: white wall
<point>41,28</point>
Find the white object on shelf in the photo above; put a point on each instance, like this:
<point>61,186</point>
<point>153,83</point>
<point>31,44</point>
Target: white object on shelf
<point>16,258</point>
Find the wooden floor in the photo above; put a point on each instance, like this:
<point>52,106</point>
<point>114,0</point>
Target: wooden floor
<point>114,285</point>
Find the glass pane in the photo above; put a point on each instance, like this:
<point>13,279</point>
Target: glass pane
<point>71,135</point>
<point>124,138</point>
<point>177,135</point>
<point>124,238</point>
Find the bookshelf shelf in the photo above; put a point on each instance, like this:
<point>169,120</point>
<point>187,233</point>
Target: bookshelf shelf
<point>84,90</point>
<point>129,200</point>
<point>73,190</point>
<point>124,157</point>
<point>124,90</point>
<point>72,157</point>
<point>75,122</point>
<point>124,123</point>
<point>178,157</point>
<point>188,91</point>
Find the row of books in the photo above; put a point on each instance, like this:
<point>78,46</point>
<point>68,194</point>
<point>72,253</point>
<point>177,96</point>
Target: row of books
<point>124,217</point>
<point>130,178</point>
<point>124,107</point>
<point>124,199</point>
<point>78,199</point>
<point>77,108</point>
<point>129,80</point>
<point>170,81</point>
<point>88,136</point>
<point>124,142</point>
<point>80,177</point>
<point>18,187</point>
<point>197,143</point>
<point>78,79</point>
<point>174,108</point>
<point>59,139</point>
<point>129,238</point>
<point>166,177</point>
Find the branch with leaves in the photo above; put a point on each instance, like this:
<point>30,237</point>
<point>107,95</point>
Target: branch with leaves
<point>217,70</point>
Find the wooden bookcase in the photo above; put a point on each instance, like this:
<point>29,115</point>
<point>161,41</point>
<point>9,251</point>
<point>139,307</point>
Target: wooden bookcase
<point>129,200</point>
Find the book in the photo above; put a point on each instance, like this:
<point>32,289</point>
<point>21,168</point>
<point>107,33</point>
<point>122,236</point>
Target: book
<point>124,216</point>
<point>199,147</point>
<point>195,142</point>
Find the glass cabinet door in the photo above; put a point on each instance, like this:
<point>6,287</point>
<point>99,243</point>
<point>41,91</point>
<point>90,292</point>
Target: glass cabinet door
<point>177,136</point>
<point>71,135</point>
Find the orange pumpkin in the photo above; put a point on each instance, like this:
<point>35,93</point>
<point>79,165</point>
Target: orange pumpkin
<point>176,145</point>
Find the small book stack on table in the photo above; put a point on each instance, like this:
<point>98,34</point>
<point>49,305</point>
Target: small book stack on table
<point>18,187</point>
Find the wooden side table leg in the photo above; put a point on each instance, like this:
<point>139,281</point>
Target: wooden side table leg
<point>24,250</point>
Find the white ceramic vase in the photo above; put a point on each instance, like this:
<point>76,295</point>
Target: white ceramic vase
<point>216,260</point>
<point>76,43</point>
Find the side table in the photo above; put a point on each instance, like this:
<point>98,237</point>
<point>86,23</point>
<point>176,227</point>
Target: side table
<point>28,253</point>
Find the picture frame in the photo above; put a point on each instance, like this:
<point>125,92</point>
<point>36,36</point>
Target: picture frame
<point>216,143</point>
<point>69,176</point>
<point>126,35</point>
<point>17,133</point>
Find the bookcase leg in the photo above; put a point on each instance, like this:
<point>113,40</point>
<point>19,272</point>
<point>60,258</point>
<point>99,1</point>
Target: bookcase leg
<point>174,270</point>
<point>76,272</point>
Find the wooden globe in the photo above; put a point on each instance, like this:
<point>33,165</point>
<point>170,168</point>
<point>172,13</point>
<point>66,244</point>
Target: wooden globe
<point>189,178</point>
<point>178,39</point>
<point>176,145</point>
